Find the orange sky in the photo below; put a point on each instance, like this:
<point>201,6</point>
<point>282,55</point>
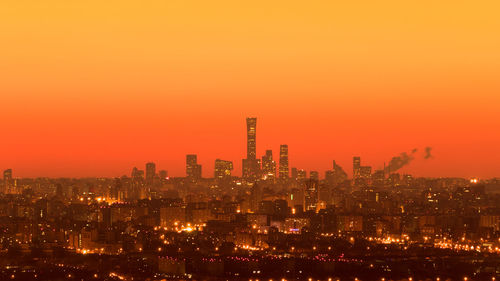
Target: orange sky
<point>93,88</point>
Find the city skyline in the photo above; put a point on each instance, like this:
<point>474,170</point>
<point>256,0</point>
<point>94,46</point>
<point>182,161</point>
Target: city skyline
<point>169,140</point>
<point>257,167</point>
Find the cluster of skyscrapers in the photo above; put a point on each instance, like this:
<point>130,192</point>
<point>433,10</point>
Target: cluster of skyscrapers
<point>253,168</point>
<point>264,168</point>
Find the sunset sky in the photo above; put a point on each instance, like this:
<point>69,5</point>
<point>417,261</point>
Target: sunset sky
<point>93,88</point>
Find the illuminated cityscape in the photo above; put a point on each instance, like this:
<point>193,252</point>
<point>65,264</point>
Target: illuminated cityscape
<point>149,226</point>
<point>223,140</point>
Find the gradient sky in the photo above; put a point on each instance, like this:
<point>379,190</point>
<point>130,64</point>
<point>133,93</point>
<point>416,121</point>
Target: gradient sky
<point>93,88</point>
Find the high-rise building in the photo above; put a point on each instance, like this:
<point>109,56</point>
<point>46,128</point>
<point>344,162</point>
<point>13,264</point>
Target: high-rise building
<point>223,169</point>
<point>365,172</point>
<point>163,174</point>
<point>251,165</point>
<point>7,175</point>
<point>283,168</point>
<point>7,180</point>
<point>356,165</point>
<point>150,172</point>
<point>137,175</point>
<point>301,175</point>
<point>330,177</point>
<point>268,165</point>
<point>294,173</point>
<point>314,175</point>
<point>193,169</point>
<point>340,174</point>
<point>335,176</point>
<point>251,138</point>
<point>379,178</point>
<point>311,195</point>
<point>116,190</point>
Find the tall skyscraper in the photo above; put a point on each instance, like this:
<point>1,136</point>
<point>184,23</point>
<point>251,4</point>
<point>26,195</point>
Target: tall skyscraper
<point>193,169</point>
<point>191,161</point>
<point>137,175</point>
<point>330,177</point>
<point>336,175</point>
<point>251,165</point>
<point>251,138</point>
<point>7,180</point>
<point>268,165</point>
<point>223,169</point>
<point>356,166</point>
<point>283,168</point>
<point>150,172</point>
<point>311,195</point>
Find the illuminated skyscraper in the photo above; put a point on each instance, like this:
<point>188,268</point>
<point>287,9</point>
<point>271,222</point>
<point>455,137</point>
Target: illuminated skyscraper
<point>191,161</point>
<point>311,195</point>
<point>301,175</point>
<point>150,172</point>
<point>223,169</point>
<point>268,165</point>
<point>283,169</point>
<point>193,169</point>
<point>7,180</point>
<point>251,138</point>
<point>356,165</point>
<point>251,165</point>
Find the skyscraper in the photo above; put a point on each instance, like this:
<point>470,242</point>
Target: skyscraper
<point>356,165</point>
<point>193,169</point>
<point>268,165</point>
<point>378,178</point>
<point>137,175</point>
<point>150,172</point>
<point>251,165</point>
<point>294,173</point>
<point>283,168</point>
<point>7,180</point>
<point>311,195</point>
<point>223,169</point>
<point>301,175</point>
<point>336,175</point>
<point>365,172</point>
<point>251,138</point>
